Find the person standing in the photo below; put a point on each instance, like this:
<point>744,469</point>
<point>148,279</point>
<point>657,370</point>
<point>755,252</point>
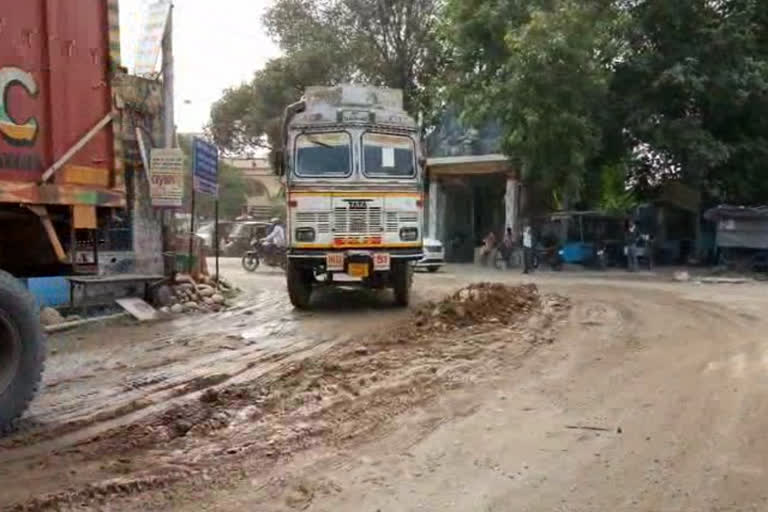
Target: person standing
<point>507,247</point>
<point>527,250</point>
<point>632,238</point>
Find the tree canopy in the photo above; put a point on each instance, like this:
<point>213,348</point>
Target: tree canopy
<point>382,42</point>
<point>648,89</point>
<point>588,93</point>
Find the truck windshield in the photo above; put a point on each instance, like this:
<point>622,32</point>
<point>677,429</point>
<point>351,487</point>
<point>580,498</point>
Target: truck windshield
<point>323,154</point>
<point>388,156</point>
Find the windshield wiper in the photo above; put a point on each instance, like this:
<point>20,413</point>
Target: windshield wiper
<point>317,142</point>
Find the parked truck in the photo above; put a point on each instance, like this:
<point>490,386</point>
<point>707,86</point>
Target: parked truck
<point>354,167</point>
<point>61,180</point>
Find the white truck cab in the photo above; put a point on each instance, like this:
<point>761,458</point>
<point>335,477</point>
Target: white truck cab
<point>354,167</point>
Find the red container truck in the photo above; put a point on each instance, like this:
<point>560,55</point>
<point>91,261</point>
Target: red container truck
<point>60,171</point>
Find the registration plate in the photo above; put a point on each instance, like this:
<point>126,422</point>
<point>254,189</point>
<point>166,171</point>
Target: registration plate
<point>334,261</point>
<point>381,261</point>
<point>358,269</point>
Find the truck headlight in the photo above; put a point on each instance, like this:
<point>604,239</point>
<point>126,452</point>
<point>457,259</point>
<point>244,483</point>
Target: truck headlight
<point>305,234</point>
<point>409,234</point>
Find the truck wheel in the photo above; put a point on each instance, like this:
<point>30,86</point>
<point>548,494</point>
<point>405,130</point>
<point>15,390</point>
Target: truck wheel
<point>299,285</point>
<point>22,350</point>
<point>402,277</point>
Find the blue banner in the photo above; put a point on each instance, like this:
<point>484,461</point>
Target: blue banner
<point>205,170</point>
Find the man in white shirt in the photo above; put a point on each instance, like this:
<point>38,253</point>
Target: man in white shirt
<point>276,237</point>
<point>527,250</point>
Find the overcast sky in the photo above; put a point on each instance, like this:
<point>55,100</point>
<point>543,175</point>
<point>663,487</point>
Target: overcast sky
<point>217,44</point>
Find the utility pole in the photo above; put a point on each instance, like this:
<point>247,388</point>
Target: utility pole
<point>169,124</point>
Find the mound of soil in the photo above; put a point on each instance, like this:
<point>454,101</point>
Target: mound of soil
<point>477,304</point>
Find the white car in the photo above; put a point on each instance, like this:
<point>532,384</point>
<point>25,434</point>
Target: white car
<point>434,255</point>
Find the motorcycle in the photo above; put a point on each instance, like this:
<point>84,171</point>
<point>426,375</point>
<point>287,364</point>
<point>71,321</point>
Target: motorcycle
<point>272,256</point>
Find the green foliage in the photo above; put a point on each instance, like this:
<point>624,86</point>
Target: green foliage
<point>695,93</point>
<point>382,42</point>
<point>615,196</point>
<point>392,43</point>
<point>676,89</point>
<point>248,118</point>
<point>543,69</point>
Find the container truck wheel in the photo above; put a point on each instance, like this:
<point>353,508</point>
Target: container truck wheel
<point>402,277</point>
<point>22,350</point>
<point>299,285</point>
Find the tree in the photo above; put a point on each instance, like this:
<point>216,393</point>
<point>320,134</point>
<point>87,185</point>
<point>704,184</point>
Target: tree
<point>543,69</point>
<point>392,43</point>
<point>248,118</point>
<point>695,95</point>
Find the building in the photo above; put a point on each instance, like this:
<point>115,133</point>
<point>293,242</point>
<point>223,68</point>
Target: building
<point>472,189</point>
<point>264,188</point>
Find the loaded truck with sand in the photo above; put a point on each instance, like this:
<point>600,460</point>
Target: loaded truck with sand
<point>354,168</point>
<point>60,180</point>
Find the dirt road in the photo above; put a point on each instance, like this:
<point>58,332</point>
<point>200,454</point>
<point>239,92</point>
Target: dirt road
<point>612,395</point>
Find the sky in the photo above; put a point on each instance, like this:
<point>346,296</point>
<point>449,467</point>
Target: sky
<point>216,44</point>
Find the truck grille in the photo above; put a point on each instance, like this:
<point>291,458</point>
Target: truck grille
<point>357,221</point>
<point>395,219</point>
<point>318,220</point>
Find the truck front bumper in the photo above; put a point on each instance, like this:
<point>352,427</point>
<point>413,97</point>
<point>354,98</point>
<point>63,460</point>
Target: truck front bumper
<point>410,254</point>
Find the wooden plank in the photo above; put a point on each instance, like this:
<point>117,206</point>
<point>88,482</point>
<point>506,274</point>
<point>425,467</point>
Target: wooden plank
<point>139,309</point>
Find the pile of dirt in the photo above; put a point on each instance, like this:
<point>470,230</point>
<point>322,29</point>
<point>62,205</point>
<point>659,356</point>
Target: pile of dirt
<point>477,304</point>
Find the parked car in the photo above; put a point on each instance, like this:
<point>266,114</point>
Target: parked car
<point>434,255</point>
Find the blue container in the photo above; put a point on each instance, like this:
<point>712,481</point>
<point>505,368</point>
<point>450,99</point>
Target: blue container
<point>49,291</point>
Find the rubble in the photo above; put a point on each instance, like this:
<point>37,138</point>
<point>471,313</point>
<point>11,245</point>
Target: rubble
<point>49,316</point>
<point>478,303</point>
<point>207,295</point>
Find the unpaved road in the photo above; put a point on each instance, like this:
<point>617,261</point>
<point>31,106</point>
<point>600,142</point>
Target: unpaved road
<point>627,395</point>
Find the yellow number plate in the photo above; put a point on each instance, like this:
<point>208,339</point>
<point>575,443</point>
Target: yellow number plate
<point>358,269</point>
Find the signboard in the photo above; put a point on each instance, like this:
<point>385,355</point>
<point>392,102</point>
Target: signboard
<point>151,41</point>
<point>166,178</point>
<point>205,171</point>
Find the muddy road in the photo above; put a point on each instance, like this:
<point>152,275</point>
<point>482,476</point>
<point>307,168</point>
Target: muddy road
<point>593,393</point>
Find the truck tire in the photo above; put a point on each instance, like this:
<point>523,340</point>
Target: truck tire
<point>402,277</point>
<point>299,285</point>
<point>22,350</point>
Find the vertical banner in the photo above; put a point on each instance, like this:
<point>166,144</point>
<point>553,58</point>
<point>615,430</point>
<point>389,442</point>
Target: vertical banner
<point>151,41</point>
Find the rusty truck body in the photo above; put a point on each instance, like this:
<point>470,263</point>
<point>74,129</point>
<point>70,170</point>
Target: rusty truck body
<point>61,177</point>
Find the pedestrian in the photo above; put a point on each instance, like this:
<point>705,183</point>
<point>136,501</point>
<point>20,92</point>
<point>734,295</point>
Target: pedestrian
<point>489,245</point>
<point>632,237</point>
<point>527,250</point>
<point>507,247</point>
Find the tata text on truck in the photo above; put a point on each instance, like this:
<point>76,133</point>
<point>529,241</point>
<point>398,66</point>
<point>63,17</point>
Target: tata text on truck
<point>59,178</point>
<point>353,163</point>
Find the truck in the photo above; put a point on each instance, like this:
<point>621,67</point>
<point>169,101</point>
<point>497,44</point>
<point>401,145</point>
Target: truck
<point>61,179</point>
<point>353,165</point>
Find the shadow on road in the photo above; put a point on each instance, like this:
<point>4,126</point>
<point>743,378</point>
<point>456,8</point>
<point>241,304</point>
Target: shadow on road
<point>351,299</point>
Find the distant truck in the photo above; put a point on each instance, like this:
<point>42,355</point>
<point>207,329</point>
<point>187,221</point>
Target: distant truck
<point>60,180</point>
<point>354,167</point>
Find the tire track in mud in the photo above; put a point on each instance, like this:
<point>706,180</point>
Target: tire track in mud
<point>339,395</point>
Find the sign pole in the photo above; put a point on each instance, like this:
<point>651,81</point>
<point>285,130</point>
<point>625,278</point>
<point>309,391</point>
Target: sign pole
<point>216,237</point>
<point>191,233</point>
